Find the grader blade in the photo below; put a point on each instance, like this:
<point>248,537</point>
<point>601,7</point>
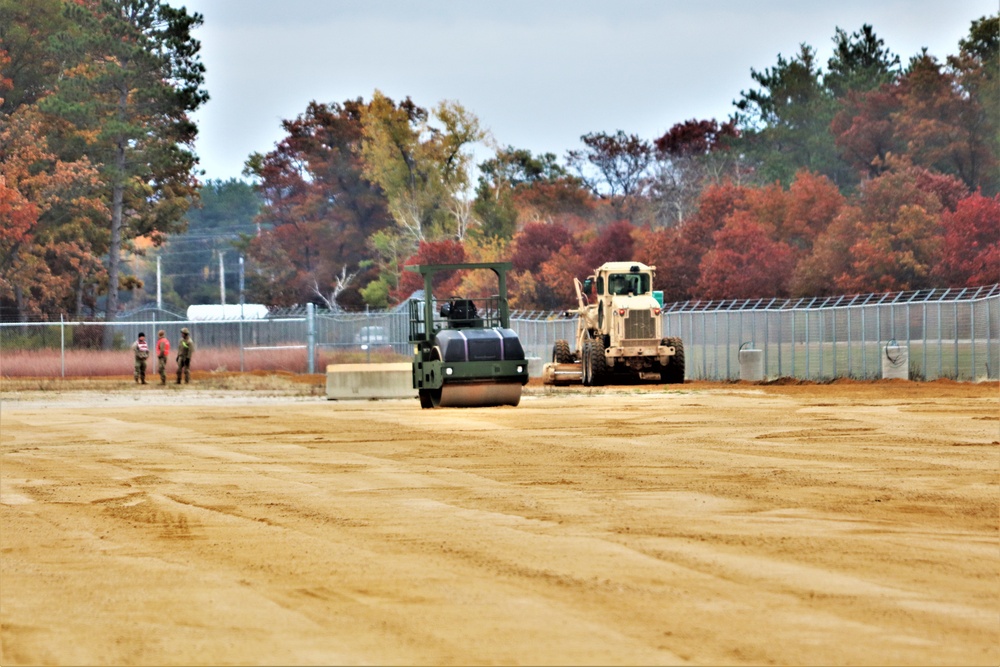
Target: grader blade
<point>562,374</point>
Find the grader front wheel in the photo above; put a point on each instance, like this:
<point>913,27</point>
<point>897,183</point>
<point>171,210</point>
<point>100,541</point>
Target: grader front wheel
<point>598,364</point>
<point>673,372</point>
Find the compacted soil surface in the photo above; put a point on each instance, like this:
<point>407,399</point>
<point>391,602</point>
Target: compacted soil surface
<point>790,524</point>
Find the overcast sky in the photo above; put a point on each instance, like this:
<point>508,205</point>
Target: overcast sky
<point>537,73</point>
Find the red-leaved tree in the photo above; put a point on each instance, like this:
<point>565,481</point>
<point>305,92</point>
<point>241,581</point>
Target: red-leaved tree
<point>745,262</point>
<point>695,238</point>
<point>445,283</point>
<point>970,247</point>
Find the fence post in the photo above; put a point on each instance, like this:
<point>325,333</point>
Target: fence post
<point>62,344</point>
<point>807,345</point>
<point>729,343</point>
<point>833,319</point>
<point>311,336</point>
<point>940,342</point>
<point>781,339</point>
<point>923,327</point>
<point>704,345</point>
<point>989,343</point>
<point>972,338</point>
<point>955,330</point>
<point>850,341</point>
<point>864,346</point>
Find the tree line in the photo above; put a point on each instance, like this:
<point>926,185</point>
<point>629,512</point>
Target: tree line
<point>868,175</point>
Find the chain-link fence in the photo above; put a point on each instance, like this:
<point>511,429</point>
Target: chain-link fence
<point>952,333</point>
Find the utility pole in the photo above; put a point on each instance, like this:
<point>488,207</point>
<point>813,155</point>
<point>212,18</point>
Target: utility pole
<point>241,287</point>
<point>241,313</point>
<point>159,290</point>
<point>222,279</point>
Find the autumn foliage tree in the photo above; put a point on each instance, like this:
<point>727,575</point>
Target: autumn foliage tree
<point>696,236</point>
<point>745,262</point>
<point>533,247</point>
<point>690,156</point>
<point>319,211</point>
<point>421,161</point>
<point>49,211</point>
<point>970,245</point>
<point>887,239</point>
<point>615,167</point>
<point>445,283</point>
<point>857,175</point>
<point>502,177</point>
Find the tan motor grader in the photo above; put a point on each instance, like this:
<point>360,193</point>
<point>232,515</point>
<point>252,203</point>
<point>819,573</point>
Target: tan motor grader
<point>619,333</point>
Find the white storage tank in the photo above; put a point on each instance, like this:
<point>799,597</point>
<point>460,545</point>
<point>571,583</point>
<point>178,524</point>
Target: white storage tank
<point>214,312</point>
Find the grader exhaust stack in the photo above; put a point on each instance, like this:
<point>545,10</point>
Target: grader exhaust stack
<point>467,355</point>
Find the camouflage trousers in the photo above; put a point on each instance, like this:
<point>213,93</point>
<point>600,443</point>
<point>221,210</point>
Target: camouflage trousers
<point>184,368</point>
<point>161,367</point>
<point>140,370</point>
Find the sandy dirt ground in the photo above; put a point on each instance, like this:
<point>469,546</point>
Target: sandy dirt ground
<point>693,524</point>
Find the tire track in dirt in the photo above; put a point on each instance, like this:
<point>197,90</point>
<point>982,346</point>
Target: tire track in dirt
<point>709,526</point>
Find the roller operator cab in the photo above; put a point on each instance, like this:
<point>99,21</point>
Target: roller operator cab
<point>619,334</point>
<point>464,352</point>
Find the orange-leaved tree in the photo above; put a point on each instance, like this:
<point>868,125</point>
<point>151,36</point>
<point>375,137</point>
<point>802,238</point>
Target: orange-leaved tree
<point>886,240</point>
<point>49,209</point>
<point>695,238</point>
<point>745,262</point>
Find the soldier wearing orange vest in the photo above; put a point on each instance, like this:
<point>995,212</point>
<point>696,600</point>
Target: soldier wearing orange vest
<point>162,351</point>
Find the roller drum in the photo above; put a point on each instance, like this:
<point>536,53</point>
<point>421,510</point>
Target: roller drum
<point>479,394</point>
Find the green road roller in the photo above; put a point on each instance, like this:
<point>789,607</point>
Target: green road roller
<point>464,352</point>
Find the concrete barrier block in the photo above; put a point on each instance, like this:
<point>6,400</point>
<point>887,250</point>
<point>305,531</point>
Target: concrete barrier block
<point>369,381</point>
<point>895,362</point>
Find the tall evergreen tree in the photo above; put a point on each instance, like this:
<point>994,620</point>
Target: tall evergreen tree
<point>860,63</point>
<point>132,77</point>
<point>783,123</point>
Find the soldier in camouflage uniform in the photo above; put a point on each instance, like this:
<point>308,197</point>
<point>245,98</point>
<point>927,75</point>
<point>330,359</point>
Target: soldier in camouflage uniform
<point>140,351</point>
<point>185,350</point>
